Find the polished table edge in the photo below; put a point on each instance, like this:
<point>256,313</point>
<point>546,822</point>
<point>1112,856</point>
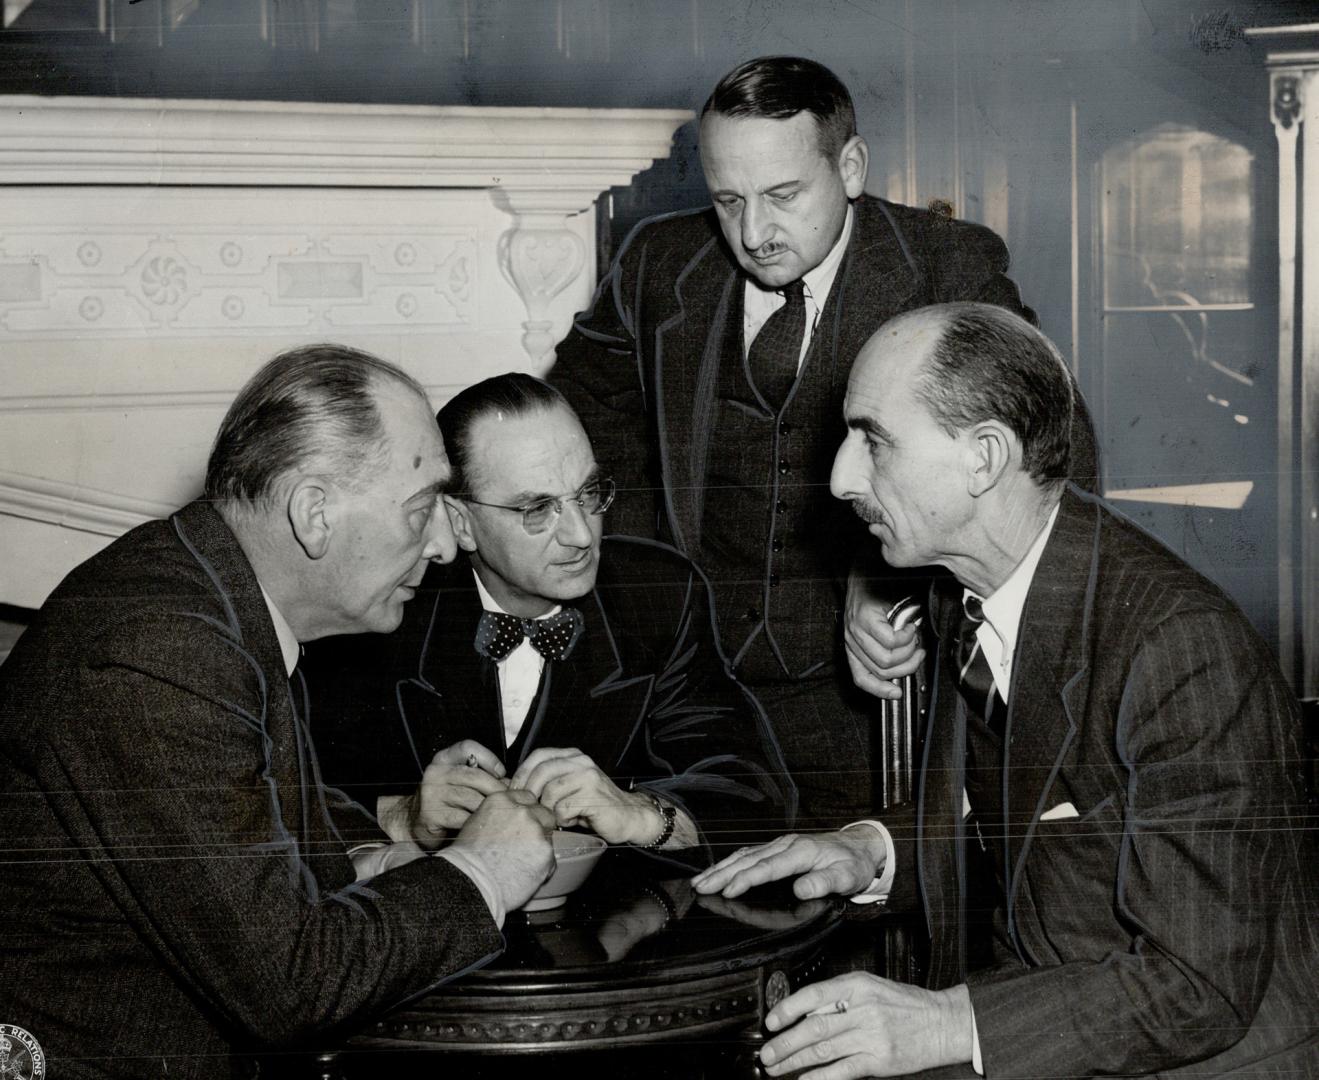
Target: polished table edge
<point>581,1014</point>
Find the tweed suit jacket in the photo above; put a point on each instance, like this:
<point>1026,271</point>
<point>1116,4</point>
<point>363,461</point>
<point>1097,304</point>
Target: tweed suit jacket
<point>641,365</point>
<point>1169,926</point>
<point>646,694</point>
<point>176,891</point>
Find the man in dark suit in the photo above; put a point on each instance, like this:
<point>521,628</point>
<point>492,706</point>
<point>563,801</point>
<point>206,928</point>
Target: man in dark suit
<point>179,891</point>
<point>1107,732</point>
<point>710,372</point>
<point>587,671</point>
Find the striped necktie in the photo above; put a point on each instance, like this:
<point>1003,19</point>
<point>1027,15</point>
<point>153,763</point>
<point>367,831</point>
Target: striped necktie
<point>975,681</point>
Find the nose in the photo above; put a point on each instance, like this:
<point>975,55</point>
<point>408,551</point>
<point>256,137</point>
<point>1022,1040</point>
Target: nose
<point>441,545</point>
<point>757,228</point>
<point>845,479</point>
<point>573,528</point>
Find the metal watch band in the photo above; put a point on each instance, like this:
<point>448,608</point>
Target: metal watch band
<point>670,815</point>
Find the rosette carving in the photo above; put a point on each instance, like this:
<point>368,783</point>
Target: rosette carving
<point>164,280</point>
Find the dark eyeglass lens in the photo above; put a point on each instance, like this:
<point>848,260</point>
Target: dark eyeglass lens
<point>538,516</point>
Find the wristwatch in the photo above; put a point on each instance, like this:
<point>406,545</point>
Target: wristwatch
<point>670,815</point>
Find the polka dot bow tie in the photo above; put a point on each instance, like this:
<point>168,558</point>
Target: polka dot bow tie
<point>498,634</point>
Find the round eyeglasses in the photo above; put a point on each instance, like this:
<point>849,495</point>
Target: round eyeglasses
<point>537,517</point>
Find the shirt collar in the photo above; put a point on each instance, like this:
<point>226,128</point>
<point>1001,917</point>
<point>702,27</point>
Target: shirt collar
<point>819,281</point>
<point>1003,610</point>
<point>288,640</point>
<point>489,603</point>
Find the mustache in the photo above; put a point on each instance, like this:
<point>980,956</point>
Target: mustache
<point>867,512</point>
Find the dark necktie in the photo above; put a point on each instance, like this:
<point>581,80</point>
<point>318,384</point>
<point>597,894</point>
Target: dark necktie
<point>975,681</point>
<point>773,356</point>
<point>498,634</point>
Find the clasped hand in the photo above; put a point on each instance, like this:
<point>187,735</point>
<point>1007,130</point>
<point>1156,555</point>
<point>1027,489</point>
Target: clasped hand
<point>455,783</point>
<point>578,792</point>
<point>565,781</point>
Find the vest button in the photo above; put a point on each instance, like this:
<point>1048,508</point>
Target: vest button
<point>785,429</point>
<point>773,580</point>
<point>784,467</point>
<point>781,506</point>
<point>777,544</point>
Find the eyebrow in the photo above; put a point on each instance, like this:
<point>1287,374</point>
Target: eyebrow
<point>869,426</point>
<point>781,188</point>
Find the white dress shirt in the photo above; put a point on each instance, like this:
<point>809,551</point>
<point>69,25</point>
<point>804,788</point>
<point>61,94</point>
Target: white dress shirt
<point>759,303</point>
<point>997,636</point>
<point>519,672</point>
<point>375,858</point>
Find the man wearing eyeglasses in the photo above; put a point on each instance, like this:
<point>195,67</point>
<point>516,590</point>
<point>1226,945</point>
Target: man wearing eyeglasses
<point>584,670</point>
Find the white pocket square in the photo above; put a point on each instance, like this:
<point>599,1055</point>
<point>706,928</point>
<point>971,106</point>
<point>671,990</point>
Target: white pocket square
<point>1061,812</point>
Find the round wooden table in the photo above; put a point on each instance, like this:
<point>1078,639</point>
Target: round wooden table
<point>635,968</point>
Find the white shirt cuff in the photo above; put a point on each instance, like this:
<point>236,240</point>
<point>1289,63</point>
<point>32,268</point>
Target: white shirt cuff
<point>977,1062</point>
<point>375,858</point>
<point>880,886</point>
<point>481,879</point>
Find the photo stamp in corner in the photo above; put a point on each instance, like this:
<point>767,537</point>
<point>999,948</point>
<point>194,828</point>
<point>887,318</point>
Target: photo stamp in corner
<point>20,1055</point>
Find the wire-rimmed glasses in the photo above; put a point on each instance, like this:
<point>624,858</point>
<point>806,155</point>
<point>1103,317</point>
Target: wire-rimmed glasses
<point>594,497</point>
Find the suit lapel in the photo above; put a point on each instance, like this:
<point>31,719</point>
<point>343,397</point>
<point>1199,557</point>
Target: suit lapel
<point>578,710</point>
<point>1051,662</point>
<point>940,828</point>
<point>707,297</point>
<point>290,757</point>
<point>877,280</point>
<point>448,665</point>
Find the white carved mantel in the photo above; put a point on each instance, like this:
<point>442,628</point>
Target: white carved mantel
<point>153,253</point>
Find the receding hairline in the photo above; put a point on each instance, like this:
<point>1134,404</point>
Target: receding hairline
<point>475,465</point>
<point>912,323</point>
<point>817,126</point>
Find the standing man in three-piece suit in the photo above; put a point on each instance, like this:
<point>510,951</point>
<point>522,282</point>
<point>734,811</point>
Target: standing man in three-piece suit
<point>587,671</point>
<point>1106,730</point>
<point>710,372</point>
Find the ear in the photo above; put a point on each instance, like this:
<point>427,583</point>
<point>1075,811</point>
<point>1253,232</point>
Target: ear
<point>853,163</point>
<point>992,449</point>
<point>310,515</point>
<point>460,517</point>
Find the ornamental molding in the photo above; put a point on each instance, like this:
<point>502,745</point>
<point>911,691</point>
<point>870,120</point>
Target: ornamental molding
<point>1287,99</point>
<point>541,166</point>
<point>73,506</point>
<point>153,274</point>
<point>600,1019</point>
<point>154,252</point>
<point>542,158</point>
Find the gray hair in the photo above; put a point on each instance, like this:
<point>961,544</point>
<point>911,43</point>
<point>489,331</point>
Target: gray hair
<point>313,404</point>
<point>990,364</point>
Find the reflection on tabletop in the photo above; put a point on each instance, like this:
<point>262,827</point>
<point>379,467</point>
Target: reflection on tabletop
<point>643,909</point>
